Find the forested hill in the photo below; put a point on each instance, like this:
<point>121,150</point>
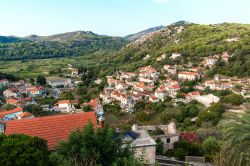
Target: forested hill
<point>61,45</point>
<point>194,42</point>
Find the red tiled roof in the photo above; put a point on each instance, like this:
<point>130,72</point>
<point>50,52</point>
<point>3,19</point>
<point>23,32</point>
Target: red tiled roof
<point>63,102</point>
<point>51,128</point>
<point>13,89</point>
<point>34,88</point>
<point>12,101</point>
<point>191,137</point>
<point>26,99</point>
<point>3,113</point>
<point>3,80</point>
<point>196,93</point>
<point>93,103</point>
<point>175,86</point>
<point>25,114</point>
<point>188,73</point>
<point>153,97</point>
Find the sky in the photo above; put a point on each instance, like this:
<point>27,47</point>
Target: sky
<point>113,17</point>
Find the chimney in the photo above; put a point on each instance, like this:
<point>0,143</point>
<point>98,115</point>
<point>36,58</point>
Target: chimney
<point>101,121</point>
<point>2,127</point>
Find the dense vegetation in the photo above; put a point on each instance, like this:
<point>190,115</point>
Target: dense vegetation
<point>8,76</point>
<point>68,44</point>
<point>194,42</point>
<point>235,149</point>
<point>23,150</point>
<point>85,147</point>
<point>89,147</point>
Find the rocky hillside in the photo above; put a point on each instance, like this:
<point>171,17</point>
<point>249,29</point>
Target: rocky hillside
<point>142,33</point>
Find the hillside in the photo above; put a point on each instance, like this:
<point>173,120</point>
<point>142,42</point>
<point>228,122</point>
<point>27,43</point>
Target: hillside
<point>107,54</point>
<point>10,39</point>
<point>194,42</point>
<point>142,33</point>
<point>60,45</point>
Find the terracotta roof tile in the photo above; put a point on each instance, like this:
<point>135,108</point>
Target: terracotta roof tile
<point>12,101</point>
<point>188,73</point>
<point>51,128</point>
<point>3,113</point>
<point>25,114</point>
<point>63,102</point>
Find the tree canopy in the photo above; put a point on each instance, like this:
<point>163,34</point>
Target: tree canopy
<point>90,147</point>
<point>23,150</point>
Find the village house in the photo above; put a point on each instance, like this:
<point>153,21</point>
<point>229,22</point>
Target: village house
<point>65,106</point>
<point>74,72</point>
<point>25,115</point>
<point>3,83</point>
<point>136,97</point>
<point>166,67</point>
<point>95,104</point>
<point>142,143</point>
<point>211,60</point>
<point>148,71</point>
<point>12,101</point>
<point>58,83</point>
<point>62,90</point>
<point>140,86</point>
<point>11,92</point>
<point>148,80</point>
<point>195,69</point>
<point>106,98</point>
<point>213,85</point>
<point>111,82</point>
<point>161,93</point>
<point>120,86</point>
<point>175,55</point>
<point>207,100</point>
<point>172,70</point>
<point>98,81</point>
<point>173,89</point>
<point>18,83</point>
<point>129,82</point>
<point>190,76</point>
<point>169,82</point>
<point>127,100</point>
<point>53,129</point>
<point>127,75</point>
<point>147,57</point>
<point>169,136</point>
<point>153,99</point>
<point>225,57</point>
<point>146,94</point>
<point>116,95</point>
<point>35,91</point>
<point>163,56</point>
<point>11,114</point>
<point>192,95</point>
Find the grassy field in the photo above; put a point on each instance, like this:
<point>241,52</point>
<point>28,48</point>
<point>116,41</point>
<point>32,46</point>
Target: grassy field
<point>46,67</point>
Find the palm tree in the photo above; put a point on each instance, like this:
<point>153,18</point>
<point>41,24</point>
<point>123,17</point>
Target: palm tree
<point>235,149</point>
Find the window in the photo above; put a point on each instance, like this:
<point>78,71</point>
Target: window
<point>168,140</point>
